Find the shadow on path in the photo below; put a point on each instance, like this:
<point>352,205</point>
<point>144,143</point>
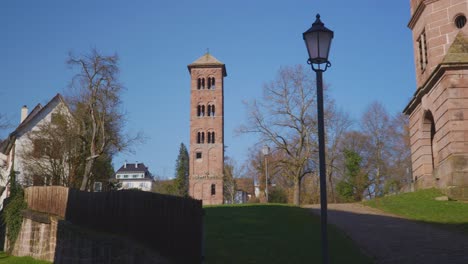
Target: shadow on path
<point>391,239</point>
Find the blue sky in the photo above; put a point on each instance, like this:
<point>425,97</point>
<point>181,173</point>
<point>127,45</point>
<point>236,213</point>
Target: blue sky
<point>371,55</point>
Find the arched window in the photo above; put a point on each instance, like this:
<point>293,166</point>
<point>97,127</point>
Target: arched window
<point>209,110</point>
<point>203,83</point>
<point>198,138</point>
<point>198,110</point>
<point>213,189</point>
<point>212,137</point>
<point>429,128</point>
<point>202,110</point>
<point>212,110</point>
<point>209,137</point>
<point>199,84</point>
<point>212,81</point>
<point>202,137</point>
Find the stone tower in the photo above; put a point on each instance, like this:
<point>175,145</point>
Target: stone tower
<point>207,129</point>
<point>438,110</point>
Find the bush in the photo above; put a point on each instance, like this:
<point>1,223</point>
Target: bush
<point>12,214</point>
<point>277,195</point>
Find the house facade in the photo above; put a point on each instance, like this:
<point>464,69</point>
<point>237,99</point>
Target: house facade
<point>19,141</point>
<point>135,176</point>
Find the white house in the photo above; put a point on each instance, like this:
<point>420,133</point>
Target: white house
<point>18,140</point>
<point>135,176</point>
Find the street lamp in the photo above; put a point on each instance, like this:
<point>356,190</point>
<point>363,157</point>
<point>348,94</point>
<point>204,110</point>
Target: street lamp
<point>318,40</point>
<point>266,152</point>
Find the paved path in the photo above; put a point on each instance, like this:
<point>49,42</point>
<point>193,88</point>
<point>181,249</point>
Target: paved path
<point>391,239</point>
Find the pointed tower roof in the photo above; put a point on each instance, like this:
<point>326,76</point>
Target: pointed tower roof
<point>207,61</point>
<point>458,51</point>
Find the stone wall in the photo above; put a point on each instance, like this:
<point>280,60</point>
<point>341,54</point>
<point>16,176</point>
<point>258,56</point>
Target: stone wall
<point>49,238</point>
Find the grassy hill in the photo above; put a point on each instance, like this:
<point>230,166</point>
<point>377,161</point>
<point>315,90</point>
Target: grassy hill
<point>271,234</point>
<point>422,206</point>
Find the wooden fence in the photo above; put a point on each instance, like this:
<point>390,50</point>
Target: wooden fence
<point>169,224</point>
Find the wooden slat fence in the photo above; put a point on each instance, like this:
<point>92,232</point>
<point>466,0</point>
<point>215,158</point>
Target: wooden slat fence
<point>169,224</point>
<point>47,199</point>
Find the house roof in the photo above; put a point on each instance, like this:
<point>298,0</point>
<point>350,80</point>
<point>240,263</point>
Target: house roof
<point>207,61</point>
<point>133,167</point>
<point>245,184</point>
<point>6,145</point>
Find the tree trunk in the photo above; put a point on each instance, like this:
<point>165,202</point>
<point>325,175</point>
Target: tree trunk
<point>87,172</point>
<point>297,192</point>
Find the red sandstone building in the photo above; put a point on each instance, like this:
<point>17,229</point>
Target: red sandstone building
<point>438,110</point>
<point>207,129</point>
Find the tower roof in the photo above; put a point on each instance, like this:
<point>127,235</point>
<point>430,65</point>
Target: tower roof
<point>458,51</point>
<point>207,61</point>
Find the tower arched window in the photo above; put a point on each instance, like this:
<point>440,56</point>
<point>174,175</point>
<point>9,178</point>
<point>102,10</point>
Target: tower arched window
<point>202,137</point>
<point>198,110</point>
<point>209,110</point>
<point>203,83</point>
<point>213,189</point>
<point>202,112</point>
<point>198,138</point>
<point>209,137</point>
<point>199,84</point>
<point>212,82</point>
<point>212,110</point>
<point>212,137</point>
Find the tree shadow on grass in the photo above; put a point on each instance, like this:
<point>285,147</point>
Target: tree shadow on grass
<point>271,234</point>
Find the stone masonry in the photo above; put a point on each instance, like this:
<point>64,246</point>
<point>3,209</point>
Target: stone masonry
<point>46,237</point>
<point>207,129</point>
<point>438,111</point>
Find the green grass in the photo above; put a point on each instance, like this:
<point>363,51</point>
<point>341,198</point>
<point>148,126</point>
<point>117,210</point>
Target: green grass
<point>271,234</point>
<point>421,206</point>
<point>4,258</point>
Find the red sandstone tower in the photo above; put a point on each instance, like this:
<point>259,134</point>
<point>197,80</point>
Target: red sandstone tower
<point>207,129</point>
<point>438,110</point>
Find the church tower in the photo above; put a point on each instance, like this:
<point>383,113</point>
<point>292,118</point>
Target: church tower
<point>438,111</point>
<point>207,129</point>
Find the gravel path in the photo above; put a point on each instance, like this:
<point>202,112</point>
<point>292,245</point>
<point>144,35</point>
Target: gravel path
<point>391,239</point>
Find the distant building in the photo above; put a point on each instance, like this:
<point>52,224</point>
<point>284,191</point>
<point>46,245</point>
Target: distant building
<point>245,190</point>
<point>135,176</point>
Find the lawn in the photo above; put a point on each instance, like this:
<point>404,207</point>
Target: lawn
<point>271,234</point>
<point>422,206</point>
<point>4,258</point>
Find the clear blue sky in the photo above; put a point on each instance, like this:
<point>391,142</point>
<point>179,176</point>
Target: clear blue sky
<point>372,57</point>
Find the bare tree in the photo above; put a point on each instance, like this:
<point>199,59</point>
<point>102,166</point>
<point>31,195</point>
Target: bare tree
<point>376,124</point>
<point>337,125</point>
<point>285,119</point>
<point>229,183</point>
<point>96,105</point>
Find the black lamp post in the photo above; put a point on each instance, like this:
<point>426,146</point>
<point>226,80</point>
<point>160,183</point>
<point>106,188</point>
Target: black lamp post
<point>318,40</point>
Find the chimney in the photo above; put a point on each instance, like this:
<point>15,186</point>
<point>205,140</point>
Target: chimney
<point>24,113</point>
<point>125,164</point>
<point>136,165</point>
